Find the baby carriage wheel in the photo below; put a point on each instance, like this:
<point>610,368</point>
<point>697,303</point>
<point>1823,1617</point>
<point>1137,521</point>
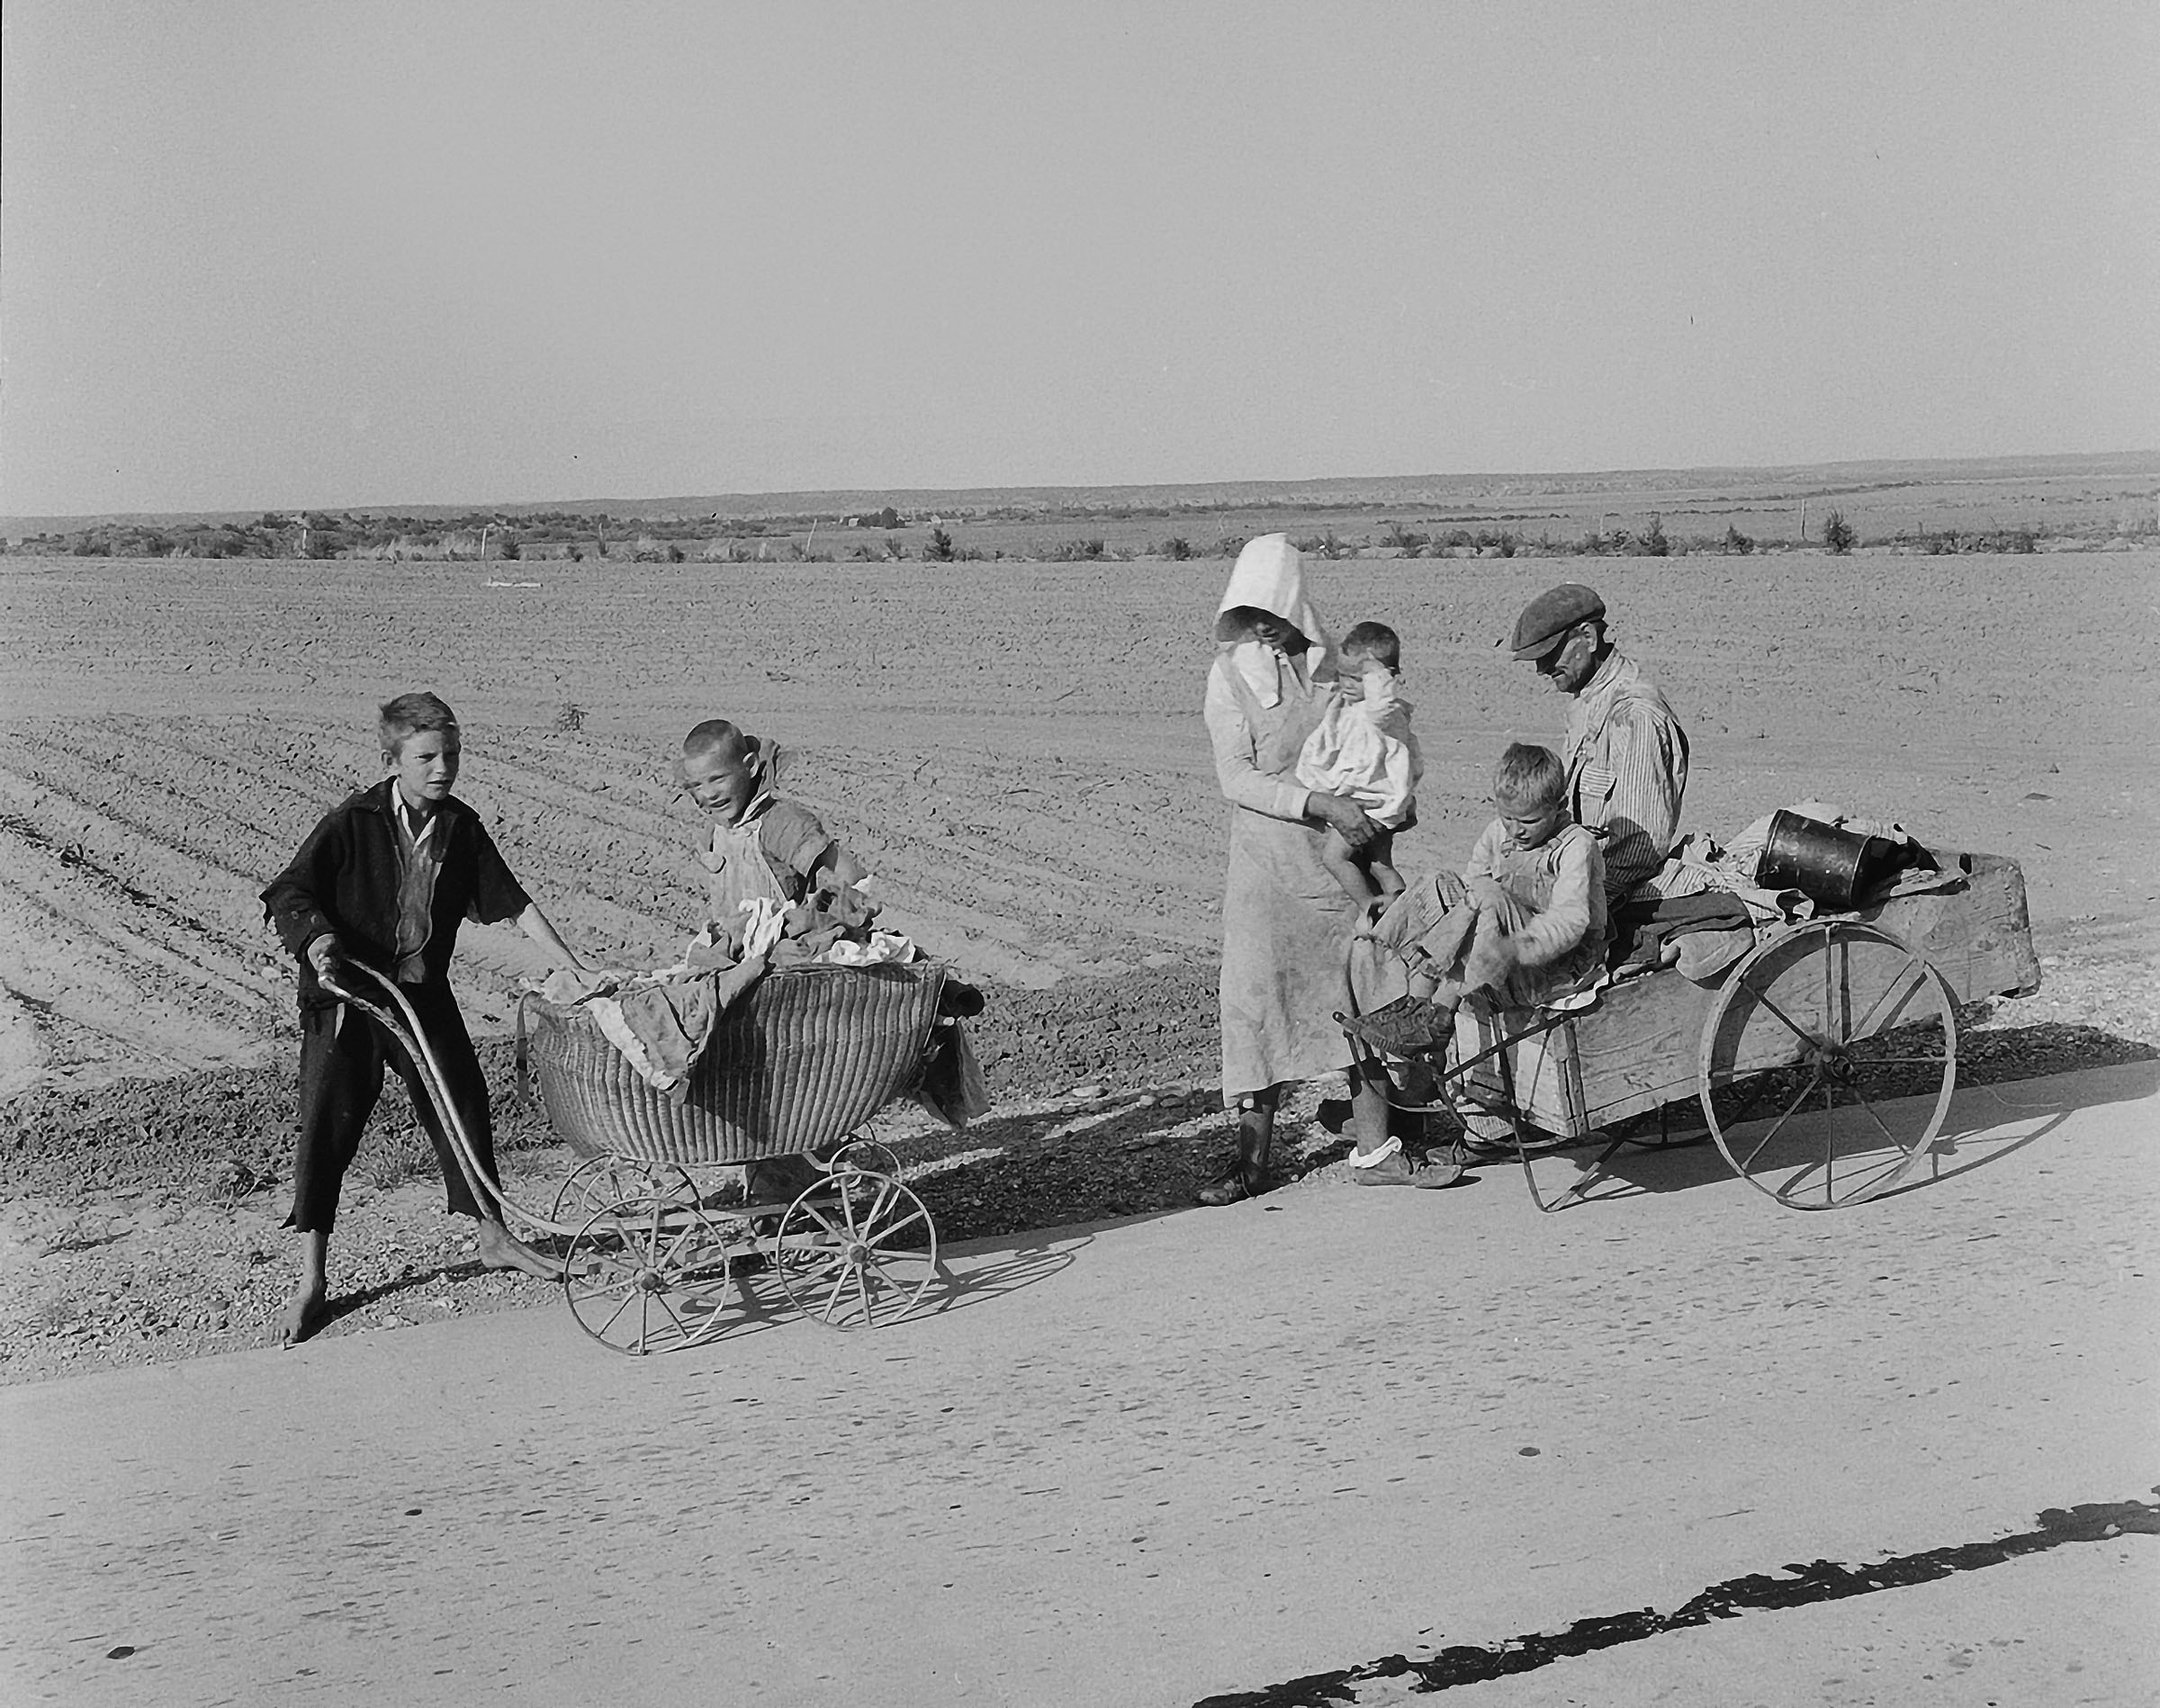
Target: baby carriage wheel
<point>648,1275</point>
<point>865,1156</point>
<point>600,1181</point>
<point>859,1256</point>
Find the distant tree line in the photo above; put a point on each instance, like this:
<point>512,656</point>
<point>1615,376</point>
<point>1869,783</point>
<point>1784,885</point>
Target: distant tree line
<point>983,533</point>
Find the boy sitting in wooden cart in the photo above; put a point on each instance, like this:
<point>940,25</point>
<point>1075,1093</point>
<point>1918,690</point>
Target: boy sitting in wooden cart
<point>1524,925</point>
<point>384,880</point>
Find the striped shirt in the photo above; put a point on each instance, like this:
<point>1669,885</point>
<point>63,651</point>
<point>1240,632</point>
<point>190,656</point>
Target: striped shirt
<point>1626,757</point>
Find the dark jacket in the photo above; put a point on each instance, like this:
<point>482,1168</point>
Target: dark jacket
<point>344,879</point>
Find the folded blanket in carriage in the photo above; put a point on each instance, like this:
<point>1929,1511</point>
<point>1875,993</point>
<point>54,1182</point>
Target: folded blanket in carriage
<point>659,1022</point>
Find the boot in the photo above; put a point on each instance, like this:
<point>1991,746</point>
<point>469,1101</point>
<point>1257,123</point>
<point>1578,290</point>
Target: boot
<point>1247,1177</point>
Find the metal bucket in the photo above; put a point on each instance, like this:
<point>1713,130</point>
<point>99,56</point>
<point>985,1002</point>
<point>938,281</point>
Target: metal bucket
<point>1830,867</point>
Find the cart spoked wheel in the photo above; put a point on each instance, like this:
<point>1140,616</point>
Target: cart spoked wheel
<point>649,1274</point>
<point>859,1257</point>
<point>1827,1063</point>
<point>599,1182</point>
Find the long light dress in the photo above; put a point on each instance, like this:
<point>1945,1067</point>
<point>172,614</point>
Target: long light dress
<point>1286,921</point>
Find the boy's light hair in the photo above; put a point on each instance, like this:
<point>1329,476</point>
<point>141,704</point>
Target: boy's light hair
<point>1374,641</point>
<point>411,714</point>
<point>1529,776</point>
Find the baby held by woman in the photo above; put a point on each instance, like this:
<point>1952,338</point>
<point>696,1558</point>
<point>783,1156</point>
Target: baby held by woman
<point>1363,749</point>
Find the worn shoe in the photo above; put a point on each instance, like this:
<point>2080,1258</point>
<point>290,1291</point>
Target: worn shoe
<point>1437,1170</point>
<point>1400,1169</point>
<point>1391,1170</point>
<point>1408,1026</point>
<point>1232,1186</point>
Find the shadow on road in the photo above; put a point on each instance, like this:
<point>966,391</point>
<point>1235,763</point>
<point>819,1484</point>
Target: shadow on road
<point>1815,1581</point>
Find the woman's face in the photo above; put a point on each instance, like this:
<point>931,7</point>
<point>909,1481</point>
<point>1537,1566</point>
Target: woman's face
<point>1271,630</point>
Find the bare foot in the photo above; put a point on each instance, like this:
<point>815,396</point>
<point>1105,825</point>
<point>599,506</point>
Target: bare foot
<point>499,1250</point>
<point>303,1313</point>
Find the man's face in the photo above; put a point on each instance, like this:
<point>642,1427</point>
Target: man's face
<point>720,784</point>
<point>1572,661</point>
<point>425,767</point>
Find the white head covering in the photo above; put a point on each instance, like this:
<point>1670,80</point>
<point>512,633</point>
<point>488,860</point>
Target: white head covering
<point>1269,576</point>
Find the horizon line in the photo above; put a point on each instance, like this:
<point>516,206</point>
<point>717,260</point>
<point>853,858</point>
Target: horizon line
<point>1263,483</point>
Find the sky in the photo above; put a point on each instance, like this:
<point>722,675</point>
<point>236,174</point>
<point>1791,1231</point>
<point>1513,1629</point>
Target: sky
<point>438,251</point>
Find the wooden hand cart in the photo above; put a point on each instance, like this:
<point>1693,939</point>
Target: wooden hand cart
<point>658,1242</point>
<point>1822,1061</point>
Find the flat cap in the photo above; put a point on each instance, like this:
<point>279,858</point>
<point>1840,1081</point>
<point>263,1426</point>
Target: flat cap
<point>1551,615</point>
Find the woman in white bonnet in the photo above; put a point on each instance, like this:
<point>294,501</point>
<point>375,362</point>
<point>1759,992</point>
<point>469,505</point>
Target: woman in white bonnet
<point>1286,921</point>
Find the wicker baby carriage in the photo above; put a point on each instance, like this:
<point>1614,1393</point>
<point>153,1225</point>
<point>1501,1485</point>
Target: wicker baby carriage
<point>658,1236</point>
<point>804,1058</point>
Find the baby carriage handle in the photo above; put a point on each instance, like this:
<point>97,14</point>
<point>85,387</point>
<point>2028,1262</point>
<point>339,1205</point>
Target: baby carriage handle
<point>405,1026</point>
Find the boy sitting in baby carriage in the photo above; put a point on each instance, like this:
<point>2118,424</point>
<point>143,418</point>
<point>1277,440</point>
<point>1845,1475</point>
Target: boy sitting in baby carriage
<point>758,846</point>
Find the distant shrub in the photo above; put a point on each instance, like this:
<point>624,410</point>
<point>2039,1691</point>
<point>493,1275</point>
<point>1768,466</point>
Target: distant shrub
<point>1652,541</point>
<point>1177,548</point>
<point>1230,546</point>
<point>1737,545</point>
<point>1081,551</point>
<point>1325,545</point>
<point>1836,533</point>
<point>570,718</point>
<point>940,548</point>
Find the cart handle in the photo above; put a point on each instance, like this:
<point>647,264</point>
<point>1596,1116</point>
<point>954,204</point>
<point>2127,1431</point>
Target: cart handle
<point>405,1026</point>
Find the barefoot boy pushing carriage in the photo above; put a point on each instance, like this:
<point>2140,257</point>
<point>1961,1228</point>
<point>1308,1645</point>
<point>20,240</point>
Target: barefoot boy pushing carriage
<point>384,880</point>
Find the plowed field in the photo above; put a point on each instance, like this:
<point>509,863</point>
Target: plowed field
<point>1017,750</point>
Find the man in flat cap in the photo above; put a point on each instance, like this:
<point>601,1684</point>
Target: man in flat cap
<point>1625,758</point>
<point>1626,752</point>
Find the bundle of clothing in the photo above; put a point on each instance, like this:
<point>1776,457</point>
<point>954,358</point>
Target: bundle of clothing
<point>660,1022</point>
<point>831,926</point>
<point>1711,903</point>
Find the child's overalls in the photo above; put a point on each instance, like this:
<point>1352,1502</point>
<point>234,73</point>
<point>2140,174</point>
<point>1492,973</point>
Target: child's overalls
<point>736,868</point>
<point>737,871</point>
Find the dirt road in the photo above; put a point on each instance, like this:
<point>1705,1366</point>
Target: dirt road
<point>1185,1458</point>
